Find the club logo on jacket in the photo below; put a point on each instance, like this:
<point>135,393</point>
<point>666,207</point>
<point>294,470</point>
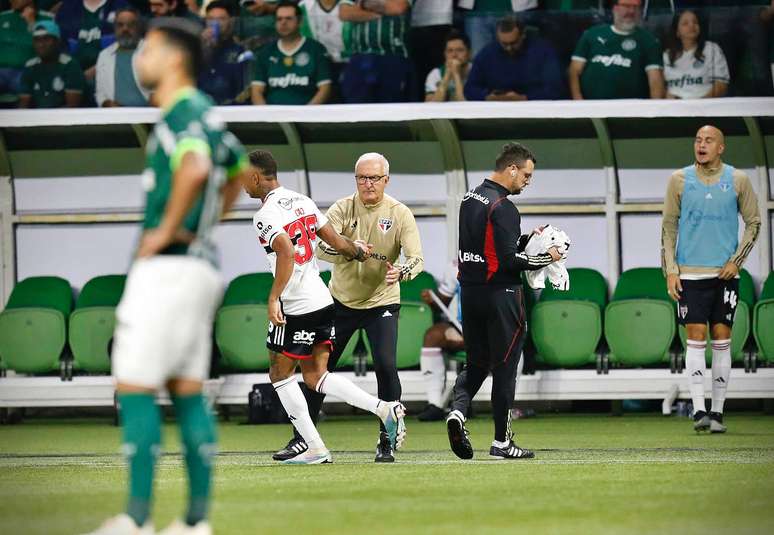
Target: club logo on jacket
<point>385,224</point>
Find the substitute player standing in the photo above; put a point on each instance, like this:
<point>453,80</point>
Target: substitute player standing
<point>491,260</point>
<point>367,295</point>
<point>301,312</point>
<point>701,223</point>
<point>165,315</point>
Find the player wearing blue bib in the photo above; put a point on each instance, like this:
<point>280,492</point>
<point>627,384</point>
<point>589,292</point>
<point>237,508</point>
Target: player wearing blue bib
<point>701,256</point>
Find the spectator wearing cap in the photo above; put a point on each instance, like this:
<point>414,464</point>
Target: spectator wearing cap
<point>294,70</point>
<point>447,82</point>
<point>117,81</point>
<point>482,16</point>
<point>621,60</point>
<point>16,42</point>
<point>52,79</point>
<point>87,28</point>
<point>431,22</point>
<point>225,73</point>
<point>517,66</point>
<point>379,69</point>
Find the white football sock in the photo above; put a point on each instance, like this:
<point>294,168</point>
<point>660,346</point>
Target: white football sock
<point>695,365</point>
<point>294,402</point>
<point>347,391</point>
<point>433,369</point>
<point>721,371</point>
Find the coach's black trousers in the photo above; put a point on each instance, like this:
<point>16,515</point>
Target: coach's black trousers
<point>494,327</point>
<point>381,327</point>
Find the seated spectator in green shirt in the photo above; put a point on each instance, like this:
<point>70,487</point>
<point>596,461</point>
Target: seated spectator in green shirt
<point>294,69</point>
<point>618,61</point>
<point>52,79</point>
<point>16,42</point>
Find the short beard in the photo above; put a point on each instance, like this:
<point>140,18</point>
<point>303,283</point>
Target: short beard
<point>626,26</point>
<point>127,42</point>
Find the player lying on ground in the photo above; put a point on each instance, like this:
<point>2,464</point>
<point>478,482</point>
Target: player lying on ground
<point>301,312</point>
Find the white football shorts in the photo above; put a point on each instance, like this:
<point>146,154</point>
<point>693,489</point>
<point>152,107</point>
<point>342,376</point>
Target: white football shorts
<point>164,321</point>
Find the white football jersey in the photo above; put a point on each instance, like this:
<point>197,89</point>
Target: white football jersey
<point>296,215</point>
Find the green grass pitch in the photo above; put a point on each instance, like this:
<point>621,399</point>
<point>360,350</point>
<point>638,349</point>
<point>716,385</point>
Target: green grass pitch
<point>593,474</point>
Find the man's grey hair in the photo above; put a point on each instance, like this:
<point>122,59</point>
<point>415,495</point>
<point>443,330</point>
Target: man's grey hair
<point>374,156</point>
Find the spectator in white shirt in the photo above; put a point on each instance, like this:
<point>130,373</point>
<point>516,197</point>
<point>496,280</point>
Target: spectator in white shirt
<point>693,66</point>
<point>447,82</point>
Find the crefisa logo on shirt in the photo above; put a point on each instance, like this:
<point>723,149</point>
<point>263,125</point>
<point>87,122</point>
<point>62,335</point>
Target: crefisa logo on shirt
<point>385,224</point>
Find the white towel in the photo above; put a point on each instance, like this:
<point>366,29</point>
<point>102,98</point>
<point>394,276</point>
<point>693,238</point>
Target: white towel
<point>543,239</point>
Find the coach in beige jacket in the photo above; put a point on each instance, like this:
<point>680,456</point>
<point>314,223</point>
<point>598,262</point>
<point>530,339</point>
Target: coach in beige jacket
<point>367,295</point>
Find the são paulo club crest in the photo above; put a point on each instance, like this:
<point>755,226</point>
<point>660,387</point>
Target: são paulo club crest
<point>385,224</point>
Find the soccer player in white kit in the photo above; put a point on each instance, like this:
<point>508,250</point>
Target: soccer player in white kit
<point>301,311</point>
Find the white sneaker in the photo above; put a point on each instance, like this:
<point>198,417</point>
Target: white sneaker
<point>394,424</point>
<point>311,456</point>
<point>122,525</point>
<point>178,527</point>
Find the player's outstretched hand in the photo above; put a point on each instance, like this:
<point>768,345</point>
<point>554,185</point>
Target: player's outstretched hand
<point>674,286</point>
<point>729,271</point>
<point>392,276</point>
<point>275,313</point>
<point>555,254</point>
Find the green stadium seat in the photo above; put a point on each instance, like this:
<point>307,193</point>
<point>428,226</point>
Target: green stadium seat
<point>241,323</point>
<point>639,322</point>
<point>763,321</point>
<point>414,320</point>
<point>93,321</point>
<point>251,288</point>
<point>567,326</point>
<point>33,326</point>
<point>740,330</point>
<point>411,291</point>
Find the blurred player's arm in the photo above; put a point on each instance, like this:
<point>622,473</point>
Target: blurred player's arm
<point>669,222</point>
<point>190,175</point>
<point>347,248</point>
<point>281,245</point>
<point>335,215</point>
<point>237,166</point>
<point>748,208</point>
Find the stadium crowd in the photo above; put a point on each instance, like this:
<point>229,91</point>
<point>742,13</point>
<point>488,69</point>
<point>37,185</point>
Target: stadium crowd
<point>82,53</point>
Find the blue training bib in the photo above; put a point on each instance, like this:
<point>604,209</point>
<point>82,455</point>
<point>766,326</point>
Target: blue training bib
<point>708,229</point>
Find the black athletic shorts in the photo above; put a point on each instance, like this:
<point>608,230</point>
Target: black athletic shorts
<point>493,323</point>
<point>301,333</point>
<point>708,300</point>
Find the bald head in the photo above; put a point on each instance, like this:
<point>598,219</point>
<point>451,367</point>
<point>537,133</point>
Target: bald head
<point>708,146</point>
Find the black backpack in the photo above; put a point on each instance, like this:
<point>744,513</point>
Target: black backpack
<point>264,406</point>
